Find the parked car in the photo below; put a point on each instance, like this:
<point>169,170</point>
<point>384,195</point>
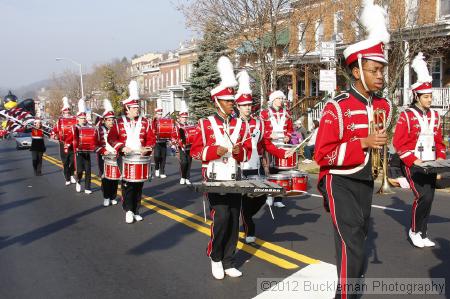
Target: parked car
<point>23,140</point>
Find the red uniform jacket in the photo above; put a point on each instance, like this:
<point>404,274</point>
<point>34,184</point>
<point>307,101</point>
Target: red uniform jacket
<point>117,136</point>
<point>101,142</point>
<point>176,136</point>
<point>59,129</point>
<point>264,143</point>
<point>288,125</point>
<point>407,132</point>
<point>204,147</point>
<point>344,122</point>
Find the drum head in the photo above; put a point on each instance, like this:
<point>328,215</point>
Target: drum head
<point>278,176</point>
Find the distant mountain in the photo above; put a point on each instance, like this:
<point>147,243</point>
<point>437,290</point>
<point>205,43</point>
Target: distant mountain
<point>27,91</point>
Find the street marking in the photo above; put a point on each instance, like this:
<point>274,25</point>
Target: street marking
<point>205,230</point>
<point>386,208</point>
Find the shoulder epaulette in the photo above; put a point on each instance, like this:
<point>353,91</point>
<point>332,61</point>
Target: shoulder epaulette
<point>342,96</point>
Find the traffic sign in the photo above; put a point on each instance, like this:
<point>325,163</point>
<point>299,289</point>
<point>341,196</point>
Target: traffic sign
<point>327,51</point>
<point>327,80</point>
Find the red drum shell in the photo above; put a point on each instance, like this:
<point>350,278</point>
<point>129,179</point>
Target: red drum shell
<point>280,179</point>
<point>111,170</point>
<point>136,168</point>
<point>285,163</point>
<point>66,126</point>
<point>164,128</point>
<point>299,180</point>
<point>86,139</point>
<point>190,132</point>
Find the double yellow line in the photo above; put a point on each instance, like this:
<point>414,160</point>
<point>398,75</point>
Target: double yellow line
<point>196,222</point>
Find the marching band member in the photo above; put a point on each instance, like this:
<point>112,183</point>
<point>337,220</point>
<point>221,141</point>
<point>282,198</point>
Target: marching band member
<point>251,205</point>
<point>344,146</point>
<point>279,126</point>
<point>82,158</point>
<point>160,154</point>
<point>182,148</point>
<point>220,144</point>
<point>60,131</point>
<point>37,146</point>
<point>109,187</point>
<point>418,138</point>
<point>132,133</point>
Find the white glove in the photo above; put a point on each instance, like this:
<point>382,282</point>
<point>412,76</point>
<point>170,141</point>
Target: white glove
<point>269,201</point>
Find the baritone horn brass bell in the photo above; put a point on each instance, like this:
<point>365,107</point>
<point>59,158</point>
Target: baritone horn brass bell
<point>378,165</point>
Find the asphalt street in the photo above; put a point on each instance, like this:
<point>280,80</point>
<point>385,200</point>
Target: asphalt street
<point>56,243</point>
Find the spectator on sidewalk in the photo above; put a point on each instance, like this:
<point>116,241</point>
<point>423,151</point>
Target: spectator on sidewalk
<point>309,148</point>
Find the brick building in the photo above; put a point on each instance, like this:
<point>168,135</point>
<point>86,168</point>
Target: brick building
<point>163,79</point>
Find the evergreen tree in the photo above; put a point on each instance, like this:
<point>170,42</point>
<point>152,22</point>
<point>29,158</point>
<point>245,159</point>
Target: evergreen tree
<point>205,76</point>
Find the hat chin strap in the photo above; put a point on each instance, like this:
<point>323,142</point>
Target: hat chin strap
<point>363,81</point>
<point>218,104</point>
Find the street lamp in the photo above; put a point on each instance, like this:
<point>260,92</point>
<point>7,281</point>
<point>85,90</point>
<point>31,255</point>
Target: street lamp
<point>81,72</point>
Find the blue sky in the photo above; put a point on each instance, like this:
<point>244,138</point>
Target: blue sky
<point>34,32</point>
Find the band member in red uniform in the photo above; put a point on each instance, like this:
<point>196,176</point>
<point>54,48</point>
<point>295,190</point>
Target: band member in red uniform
<point>220,144</point>
<point>132,133</point>
<point>344,146</point>
<point>60,130</point>
<point>252,167</point>
<point>106,151</point>
<point>279,128</point>
<point>418,138</point>
<point>37,146</point>
<point>160,154</point>
<point>82,155</point>
<point>180,144</point>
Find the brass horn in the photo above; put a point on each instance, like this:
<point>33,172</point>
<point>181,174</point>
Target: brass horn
<point>379,123</point>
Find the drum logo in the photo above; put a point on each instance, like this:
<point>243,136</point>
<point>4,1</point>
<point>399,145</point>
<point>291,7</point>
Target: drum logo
<point>225,160</point>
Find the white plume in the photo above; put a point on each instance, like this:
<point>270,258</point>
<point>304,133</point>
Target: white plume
<point>420,67</point>
<point>82,106</point>
<point>244,83</point>
<point>66,102</point>
<point>225,68</point>
<point>133,89</point>
<point>374,19</point>
<point>107,105</point>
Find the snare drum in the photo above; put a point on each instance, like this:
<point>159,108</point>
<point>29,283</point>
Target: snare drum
<point>86,139</point>
<point>111,169</point>
<point>285,163</point>
<point>281,179</point>
<point>298,180</point>
<point>164,128</point>
<point>136,168</point>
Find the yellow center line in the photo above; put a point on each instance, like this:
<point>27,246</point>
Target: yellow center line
<point>147,200</point>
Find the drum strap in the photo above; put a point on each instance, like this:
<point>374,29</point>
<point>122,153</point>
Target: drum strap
<point>276,121</point>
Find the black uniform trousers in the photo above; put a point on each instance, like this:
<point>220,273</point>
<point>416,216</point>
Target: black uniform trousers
<point>273,170</point>
<point>109,187</point>
<point>423,186</point>
<point>224,212</point>
<point>185,163</point>
<point>84,164</point>
<point>160,155</point>
<point>132,193</point>
<point>350,202</point>
<point>36,157</point>
<point>251,206</point>
<point>67,160</point>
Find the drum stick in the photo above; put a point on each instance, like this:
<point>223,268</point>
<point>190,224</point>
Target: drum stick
<point>271,213</point>
<point>204,208</point>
